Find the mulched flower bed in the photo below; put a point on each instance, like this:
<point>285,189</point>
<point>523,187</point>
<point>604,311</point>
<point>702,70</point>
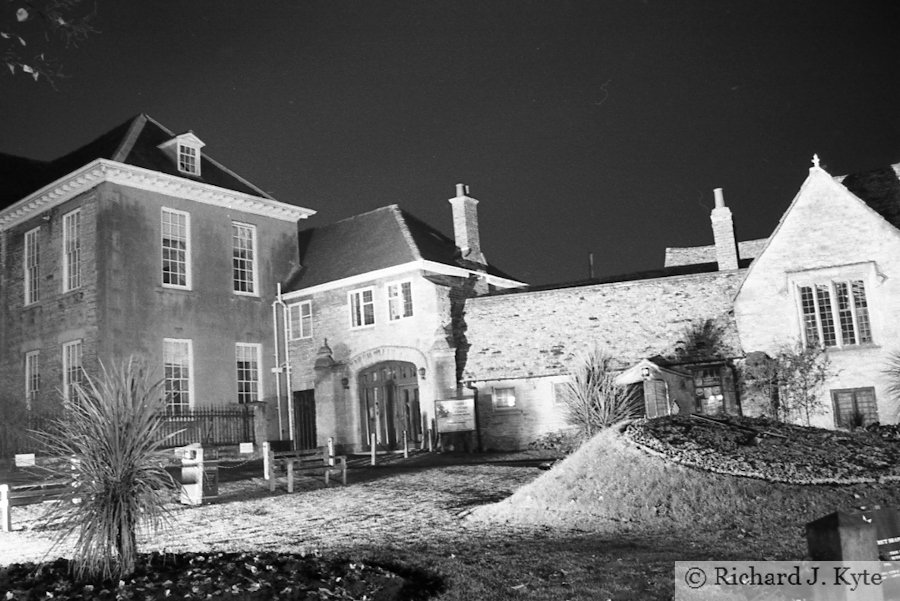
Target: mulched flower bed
<point>244,576</point>
<point>780,453</point>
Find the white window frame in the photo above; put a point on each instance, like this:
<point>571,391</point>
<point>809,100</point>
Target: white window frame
<point>188,157</point>
<point>32,377</point>
<point>303,311</point>
<point>72,365</point>
<point>357,308</point>
<point>397,300</point>
<point>256,350</point>
<point>71,250</point>
<point>505,407</point>
<point>253,282</point>
<point>187,248</point>
<point>169,358</point>
<point>833,311</point>
<point>31,263</point>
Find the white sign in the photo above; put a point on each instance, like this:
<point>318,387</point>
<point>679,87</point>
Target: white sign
<point>455,415</point>
<point>25,460</point>
<point>246,447</point>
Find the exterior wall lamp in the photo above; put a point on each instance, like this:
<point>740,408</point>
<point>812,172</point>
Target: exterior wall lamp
<point>345,382</point>
<point>645,373</point>
<point>422,373</point>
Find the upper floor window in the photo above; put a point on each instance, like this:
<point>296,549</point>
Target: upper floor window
<point>189,159</point>
<point>72,250</point>
<point>243,257</point>
<point>362,308</point>
<point>32,265</point>
<point>176,248</point>
<point>178,359</point>
<point>72,373</point>
<point>248,359</point>
<point>400,303</point>
<point>504,398</point>
<point>32,377</point>
<point>835,313</point>
<point>300,320</point>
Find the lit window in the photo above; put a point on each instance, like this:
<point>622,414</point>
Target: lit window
<point>247,372</point>
<point>854,407</point>
<point>32,377</point>
<point>178,371</point>
<point>72,250</point>
<point>362,308</point>
<point>72,372</point>
<point>188,159</point>
<point>561,392</point>
<point>300,320</point>
<point>32,263</point>
<point>504,398</point>
<point>835,314</point>
<point>400,301</point>
<point>176,249</point>
<point>243,257</point>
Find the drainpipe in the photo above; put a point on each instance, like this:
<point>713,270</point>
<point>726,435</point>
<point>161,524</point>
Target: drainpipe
<point>287,373</point>
<point>474,389</point>
<point>278,368</point>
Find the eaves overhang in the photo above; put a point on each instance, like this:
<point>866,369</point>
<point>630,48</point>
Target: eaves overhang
<point>103,170</point>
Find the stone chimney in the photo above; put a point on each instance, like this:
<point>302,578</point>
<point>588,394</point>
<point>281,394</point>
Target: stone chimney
<point>723,233</point>
<point>465,225</point>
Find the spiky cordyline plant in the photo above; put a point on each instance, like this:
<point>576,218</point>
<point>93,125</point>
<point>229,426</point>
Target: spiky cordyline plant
<point>592,398</point>
<point>110,440</point>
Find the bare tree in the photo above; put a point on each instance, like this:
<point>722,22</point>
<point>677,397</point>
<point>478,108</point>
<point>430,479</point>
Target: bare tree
<point>31,32</point>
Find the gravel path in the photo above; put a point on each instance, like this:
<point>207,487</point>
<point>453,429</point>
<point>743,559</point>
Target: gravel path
<point>406,505</point>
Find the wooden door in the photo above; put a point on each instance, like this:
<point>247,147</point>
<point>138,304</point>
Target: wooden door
<point>305,419</point>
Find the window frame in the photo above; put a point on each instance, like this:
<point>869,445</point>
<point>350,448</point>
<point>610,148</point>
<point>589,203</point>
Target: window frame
<point>71,257</point>
<point>179,408</point>
<point>32,377</point>
<point>834,392</point>
<point>188,158</point>
<point>814,295</point>
<point>396,294</point>
<point>31,264</point>
<point>501,408</point>
<point>253,262</point>
<point>186,250</point>
<point>70,350</point>
<point>359,292</point>
<point>256,349</point>
<point>304,333</point>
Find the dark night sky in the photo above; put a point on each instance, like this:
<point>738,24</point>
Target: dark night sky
<point>588,126</point>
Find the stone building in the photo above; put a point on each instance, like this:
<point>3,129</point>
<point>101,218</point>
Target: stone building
<point>371,325</point>
<point>139,243</point>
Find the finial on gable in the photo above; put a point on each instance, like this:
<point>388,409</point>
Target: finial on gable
<point>815,161</point>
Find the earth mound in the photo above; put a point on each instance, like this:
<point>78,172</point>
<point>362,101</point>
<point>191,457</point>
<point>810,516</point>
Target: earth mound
<point>613,484</point>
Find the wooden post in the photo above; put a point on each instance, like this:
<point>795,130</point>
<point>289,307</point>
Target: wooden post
<point>290,475</point>
<point>405,446</point>
<point>266,465</point>
<point>430,441</point>
<point>331,451</point>
<point>372,445</point>
<point>5,521</point>
<point>270,470</point>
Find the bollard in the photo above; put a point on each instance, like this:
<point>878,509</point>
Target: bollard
<point>372,438</point>
<point>331,451</point>
<point>267,465</point>
<point>5,520</point>
<point>405,446</point>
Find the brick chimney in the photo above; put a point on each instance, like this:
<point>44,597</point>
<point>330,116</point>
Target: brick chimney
<point>465,225</point>
<point>723,233</point>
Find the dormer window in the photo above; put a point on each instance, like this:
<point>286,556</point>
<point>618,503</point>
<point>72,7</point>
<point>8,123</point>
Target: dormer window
<point>185,150</point>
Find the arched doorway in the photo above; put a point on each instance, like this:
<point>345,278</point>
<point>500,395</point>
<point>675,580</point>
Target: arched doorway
<point>389,397</point>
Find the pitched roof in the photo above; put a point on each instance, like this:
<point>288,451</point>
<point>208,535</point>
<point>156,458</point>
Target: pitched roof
<point>134,142</point>
<point>385,237</point>
<point>540,333</point>
<point>878,188</point>
<point>690,255</point>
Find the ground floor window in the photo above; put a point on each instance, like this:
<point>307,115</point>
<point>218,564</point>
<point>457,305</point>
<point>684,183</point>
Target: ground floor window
<point>504,398</point>
<point>247,356</point>
<point>854,407</point>
<point>178,369</point>
<point>72,372</point>
<point>32,378</point>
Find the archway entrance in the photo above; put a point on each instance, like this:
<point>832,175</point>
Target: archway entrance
<point>389,395</point>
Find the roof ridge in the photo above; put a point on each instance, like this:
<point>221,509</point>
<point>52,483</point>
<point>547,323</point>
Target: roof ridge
<point>127,143</point>
<point>400,215</point>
